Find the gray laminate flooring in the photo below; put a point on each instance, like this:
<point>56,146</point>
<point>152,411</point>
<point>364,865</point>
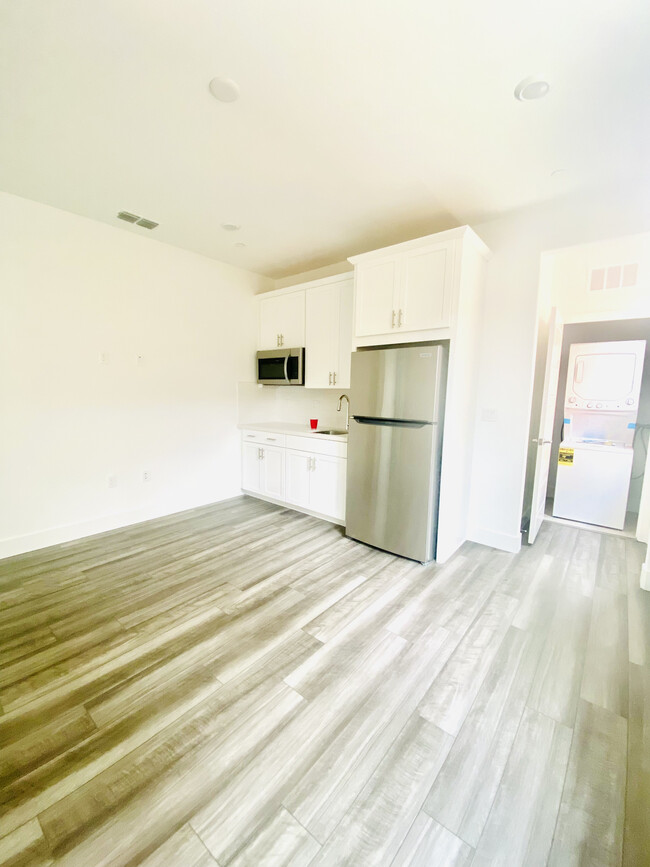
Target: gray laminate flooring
<point>242,685</point>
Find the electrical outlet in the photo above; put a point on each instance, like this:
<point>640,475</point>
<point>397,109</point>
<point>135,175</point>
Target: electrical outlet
<point>146,476</point>
<point>112,481</point>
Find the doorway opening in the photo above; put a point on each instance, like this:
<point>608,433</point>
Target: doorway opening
<point>590,293</point>
<point>602,332</point>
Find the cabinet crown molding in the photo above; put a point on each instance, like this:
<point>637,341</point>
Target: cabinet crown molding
<point>311,284</point>
<point>461,233</point>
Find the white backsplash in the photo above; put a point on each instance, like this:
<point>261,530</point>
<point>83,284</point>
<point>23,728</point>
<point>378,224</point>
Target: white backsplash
<point>292,404</point>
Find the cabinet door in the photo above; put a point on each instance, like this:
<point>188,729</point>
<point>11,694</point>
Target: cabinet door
<point>376,297</point>
<point>250,471</point>
<point>272,472</point>
<point>297,476</point>
<point>282,321</point>
<point>425,292</point>
<point>327,486</point>
<point>321,334</point>
<point>344,335</point>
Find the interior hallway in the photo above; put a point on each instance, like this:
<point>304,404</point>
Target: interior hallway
<point>242,685</point>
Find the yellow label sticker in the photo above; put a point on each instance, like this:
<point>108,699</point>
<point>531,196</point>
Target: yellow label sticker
<point>566,457</point>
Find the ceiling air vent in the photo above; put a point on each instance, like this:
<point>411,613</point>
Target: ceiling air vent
<point>614,277</point>
<point>146,224</point>
<point>129,218</point>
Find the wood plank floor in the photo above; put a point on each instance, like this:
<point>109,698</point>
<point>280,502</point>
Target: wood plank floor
<point>242,685</point>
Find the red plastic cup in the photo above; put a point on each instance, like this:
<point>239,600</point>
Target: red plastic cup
<point>314,423</point>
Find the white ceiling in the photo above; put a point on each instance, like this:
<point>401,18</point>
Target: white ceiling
<point>360,122</point>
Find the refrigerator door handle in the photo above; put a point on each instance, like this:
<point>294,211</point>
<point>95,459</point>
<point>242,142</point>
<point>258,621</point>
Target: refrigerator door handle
<point>390,422</point>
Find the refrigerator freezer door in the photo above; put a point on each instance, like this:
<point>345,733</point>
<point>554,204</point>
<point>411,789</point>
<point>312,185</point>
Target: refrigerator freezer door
<point>400,383</point>
<point>392,486</point>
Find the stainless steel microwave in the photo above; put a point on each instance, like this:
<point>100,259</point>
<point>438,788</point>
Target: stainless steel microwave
<point>281,366</point>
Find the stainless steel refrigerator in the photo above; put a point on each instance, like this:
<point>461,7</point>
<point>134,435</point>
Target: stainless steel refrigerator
<point>397,408</point>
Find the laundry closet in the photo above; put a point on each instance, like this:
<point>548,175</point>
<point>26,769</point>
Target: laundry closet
<point>602,424</point>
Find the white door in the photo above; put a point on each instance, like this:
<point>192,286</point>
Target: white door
<point>272,472</point>
<point>327,486</point>
<point>425,297</point>
<point>321,335</point>
<point>544,436</point>
<point>298,472</point>
<point>376,297</point>
<point>250,471</point>
<point>282,321</point>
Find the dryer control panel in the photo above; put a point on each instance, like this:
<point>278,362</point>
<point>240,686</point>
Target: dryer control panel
<point>605,377</point>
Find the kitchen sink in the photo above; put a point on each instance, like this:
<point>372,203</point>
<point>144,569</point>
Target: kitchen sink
<point>332,433</point>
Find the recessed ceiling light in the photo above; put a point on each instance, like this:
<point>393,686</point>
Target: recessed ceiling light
<point>224,89</point>
<point>533,87</point>
<point>230,227</point>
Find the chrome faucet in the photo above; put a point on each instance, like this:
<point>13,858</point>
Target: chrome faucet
<point>347,410</point>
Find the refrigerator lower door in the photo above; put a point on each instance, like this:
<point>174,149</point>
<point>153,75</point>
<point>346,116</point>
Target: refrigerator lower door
<point>392,486</point>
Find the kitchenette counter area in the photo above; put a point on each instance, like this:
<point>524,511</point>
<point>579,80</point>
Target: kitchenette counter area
<point>292,465</point>
<point>292,429</point>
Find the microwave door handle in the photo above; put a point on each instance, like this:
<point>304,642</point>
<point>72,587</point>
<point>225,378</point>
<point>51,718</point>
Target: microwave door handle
<point>286,367</point>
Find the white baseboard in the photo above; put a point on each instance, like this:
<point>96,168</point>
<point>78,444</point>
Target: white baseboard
<point>491,538</point>
<point>71,532</point>
<point>285,505</point>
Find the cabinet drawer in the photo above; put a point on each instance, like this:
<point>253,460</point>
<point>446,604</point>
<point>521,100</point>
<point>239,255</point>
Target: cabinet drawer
<point>317,446</point>
<point>263,437</point>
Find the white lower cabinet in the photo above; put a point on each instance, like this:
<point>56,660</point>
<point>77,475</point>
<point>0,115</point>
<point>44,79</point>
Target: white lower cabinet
<point>297,477</point>
<point>316,482</point>
<point>327,486</point>
<point>263,470</point>
<point>307,474</point>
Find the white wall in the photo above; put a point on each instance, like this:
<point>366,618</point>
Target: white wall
<point>293,405</point>
<point>118,355</point>
<point>571,273</point>
<point>509,340</point>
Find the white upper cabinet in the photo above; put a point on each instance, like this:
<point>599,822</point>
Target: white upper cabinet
<point>318,316</point>
<point>413,291</point>
<point>405,291</point>
<point>328,335</point>
<point>377,297</point>
<point>282,320</point>
<point>426,288</point>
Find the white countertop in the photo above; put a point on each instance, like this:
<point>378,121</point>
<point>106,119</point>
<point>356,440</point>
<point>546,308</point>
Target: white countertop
<point>302,430</point>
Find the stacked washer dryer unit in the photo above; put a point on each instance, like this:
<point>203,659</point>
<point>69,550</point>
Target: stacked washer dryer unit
<point>600,410</point>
